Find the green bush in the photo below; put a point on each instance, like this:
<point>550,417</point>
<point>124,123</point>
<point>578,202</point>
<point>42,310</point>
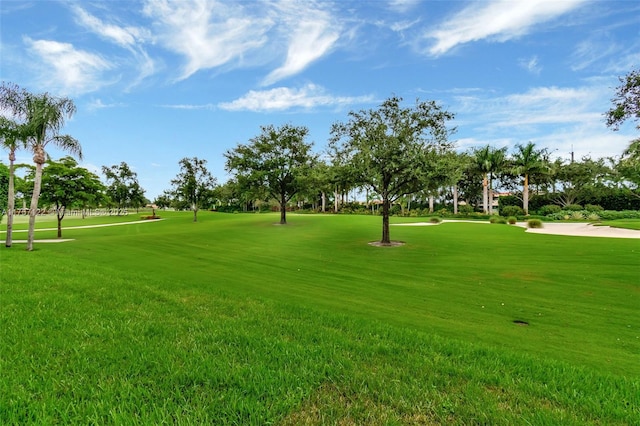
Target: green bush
<point>593,217</point>
<point>577,215</point>
<point>593,208</point>
<point>465,209</point>
<point>534,223</point>
<point>511,211</point>
<point>497,219</point>
<point>549,209</point>
<point>573,207</point>
<point>512,220</point>
<point>434,220</point>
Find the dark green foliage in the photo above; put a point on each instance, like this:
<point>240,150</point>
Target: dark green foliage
<point>512,220</point>
<point>573,208</point>
<point>549,209</point>
<point>511,211</point>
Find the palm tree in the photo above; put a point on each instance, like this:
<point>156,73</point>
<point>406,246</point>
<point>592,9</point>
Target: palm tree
<point>45,115</point>
<point>527,160</point>
<point>11,137</point>
<point>482,165</point>
<point>497,163</point>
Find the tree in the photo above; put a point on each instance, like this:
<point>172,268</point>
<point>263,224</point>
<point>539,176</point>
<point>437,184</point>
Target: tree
<point>194,184</point>
<point>489,162</point>
<point>526,161</point>
<point>4,189</point>
<point>390,148</point>
<point>12,137</point>
<point>629,164</point>
<point>626,102</point>
<point>43,115</point>
<point>122,186</point>
<point>278,162</point>
<point>65,185</point>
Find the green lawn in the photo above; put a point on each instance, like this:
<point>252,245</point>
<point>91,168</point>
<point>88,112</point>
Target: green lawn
<point>623,223</point>
<point>236,320</point>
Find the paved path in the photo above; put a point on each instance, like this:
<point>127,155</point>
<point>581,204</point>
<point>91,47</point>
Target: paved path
<point>63,240</point>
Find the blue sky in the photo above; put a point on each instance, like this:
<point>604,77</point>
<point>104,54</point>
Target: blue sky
<point>155,81</point>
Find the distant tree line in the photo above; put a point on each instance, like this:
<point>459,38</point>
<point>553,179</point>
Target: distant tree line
<point>397,158</point>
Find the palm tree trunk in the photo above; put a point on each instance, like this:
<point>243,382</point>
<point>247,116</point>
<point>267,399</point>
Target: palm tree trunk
<point>11,200</point>
<point>525,195</point>
<point>431,203</point>
<point>195,212</point>
<point>37,184</point>
<point>485,194</point>
<point>324,201</point>
<point>455,199</point>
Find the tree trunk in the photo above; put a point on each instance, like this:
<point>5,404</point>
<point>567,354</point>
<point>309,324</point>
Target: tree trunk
<point>490,197</point>
<point>430,203</point>
<point>324,201</point>
<point>335,201</point>
<point>283,210</point>
<point>385,220</point>
<point>39,159</point>
<point>60,217</point>
<point>525,195</point>
<point>195,212</point>
<point>485,194</point>
<point>455,199</point>
<point>11,200</point>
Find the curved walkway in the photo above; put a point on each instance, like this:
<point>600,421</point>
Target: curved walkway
<point>63,240</point>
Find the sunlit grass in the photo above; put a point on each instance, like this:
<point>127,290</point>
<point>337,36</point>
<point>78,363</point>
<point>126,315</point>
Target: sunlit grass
<point>236,320</point>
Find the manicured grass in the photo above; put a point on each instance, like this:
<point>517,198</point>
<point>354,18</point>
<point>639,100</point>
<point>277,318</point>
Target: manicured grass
<point>622,223</point>
<point>235,320</point>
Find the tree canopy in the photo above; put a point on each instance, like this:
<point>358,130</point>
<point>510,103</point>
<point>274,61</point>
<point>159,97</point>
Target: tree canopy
<point>276,163</point>
<point>122,186</point>
<point>194,183</point>
<point>626,102</point>
<point>392,148</point>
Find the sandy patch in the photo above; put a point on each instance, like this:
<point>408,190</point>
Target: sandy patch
<point>556,228</point>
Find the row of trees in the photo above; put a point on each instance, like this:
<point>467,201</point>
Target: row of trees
<point>400,154</point>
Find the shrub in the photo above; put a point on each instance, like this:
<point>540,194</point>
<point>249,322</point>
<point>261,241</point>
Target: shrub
<point>511,211</point>
<point>512,220</point>
<point>573,207</point>
<point>151,217</point>
<point>534,223</point>
<point>593,208</point>
<point>444,212</point>
<point>593,217</point>
<point>576,215</point>
<point>549,209</point>
<point>434,220</point>
<point>465,209</point>
<point>497,219</point>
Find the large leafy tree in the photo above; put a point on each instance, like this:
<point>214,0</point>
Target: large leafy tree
<point>626,102</point>
<point>277,162</point>
<point>122,186</point>
<point>525,162</point>
<point>194,184</point>
<point>629,164</point>
<point>66,185</point>
<point>391,148</point>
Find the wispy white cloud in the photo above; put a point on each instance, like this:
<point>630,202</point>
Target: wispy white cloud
<point>190,106</point>
<point>130,38</point>
<point>207,33</point>
<point>312,33</point>
<point>69,70</point>
<point>96,104</point>
<point>125,36</point>
<point>284,98</point>
<point>552,117</point>
<point>531,64</point>
<point>403,6</point>
<point>495,20</point>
